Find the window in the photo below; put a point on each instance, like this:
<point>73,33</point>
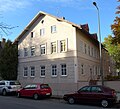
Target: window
<point>85,89</point>
<point>89,50</point>
<point>32,34</point>
<point>32,51</point>
<point>63,70</point>
<point>82,69</point>
<point>81,46</point>
<point>42,72</point>
<point>25,52</point>
<point>53,29</point>
<point>62,46</point>
<point>2,83</point>
<point>25,73</point>
<point>96,89</point>
<point>85,48</point>
<point>42,49</point>
<point>53,47</point>
<point>42,32</point>
<point>92,51</point>
<point>32,69</point>
<point>54,70</point>
<point>33,86</point>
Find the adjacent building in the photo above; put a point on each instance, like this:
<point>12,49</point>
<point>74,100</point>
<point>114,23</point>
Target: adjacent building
<point>55,51</point>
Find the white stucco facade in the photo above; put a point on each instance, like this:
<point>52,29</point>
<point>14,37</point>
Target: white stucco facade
<point>78,62</point>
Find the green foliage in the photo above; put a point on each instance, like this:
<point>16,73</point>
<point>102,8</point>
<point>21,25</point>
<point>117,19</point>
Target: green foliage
<point>8,61</point>
<point>112,44</point>
<point>112,78</point>
<point>113,49</point>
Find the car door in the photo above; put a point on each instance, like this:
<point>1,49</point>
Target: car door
<point>25,91</point>
<point>83,94</point>
<point>96,94</point>
<point>32,90</point>
<point>2,84</point>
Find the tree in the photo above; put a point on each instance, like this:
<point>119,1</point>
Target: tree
<point>116,27</point>
<point>9,61</point>
<point>5,28</point>
<point>113,49</point>
<point>112,44</point>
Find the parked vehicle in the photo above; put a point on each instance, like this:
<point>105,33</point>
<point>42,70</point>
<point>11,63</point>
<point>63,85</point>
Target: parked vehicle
<point>9,86</point>
<point>35,90</point>
<point>105,96</point>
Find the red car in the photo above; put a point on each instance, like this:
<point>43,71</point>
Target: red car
<point>35,90</point>
<point>105,96</point>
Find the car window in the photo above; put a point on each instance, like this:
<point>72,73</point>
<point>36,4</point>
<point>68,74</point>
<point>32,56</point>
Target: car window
<point>14,83</point>
<point>2,83</point>
<point>33,86</point>
<point>44,86</point>
<point>27,87</point>
<point>96,89</point>
<point>85,89</point>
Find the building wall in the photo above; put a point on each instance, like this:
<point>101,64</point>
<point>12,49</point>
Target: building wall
<point>88,58</point>
<point>81,56</point>
<point>65,32</point>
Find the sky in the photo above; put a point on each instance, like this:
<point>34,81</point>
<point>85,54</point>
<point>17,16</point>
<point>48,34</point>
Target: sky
<point>18,13</point>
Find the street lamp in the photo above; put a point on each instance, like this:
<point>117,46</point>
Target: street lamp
<point>100,48</point>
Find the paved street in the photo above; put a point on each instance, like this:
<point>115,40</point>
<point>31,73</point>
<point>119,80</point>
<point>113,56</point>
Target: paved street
<point>11,102</point>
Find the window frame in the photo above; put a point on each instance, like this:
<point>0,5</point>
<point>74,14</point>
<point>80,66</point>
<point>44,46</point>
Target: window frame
<point>42,49</point>
<point>32,50</point>
<point>53,29</point>
<point>32,71</point>
<point>25,71</point>
<point>53,47</point>
<point>63,45</point>
<point>63,70</point>
<point>54,70</point>
<point>25,52</point>
<point>42,71</point>
<point>42,31</point>
<point>32,34</point>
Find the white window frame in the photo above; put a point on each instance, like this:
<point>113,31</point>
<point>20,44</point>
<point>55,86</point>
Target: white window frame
<point>25,52</point>
<point>54,70</point>
<point>53,29</point>
<point>32,50</point>
<point>32,34</point>
<point>63,45</point>
<point>53,47</point>
<point>42,31</point>
<point>42,71</point>
<point>63,70</point>
<point>43,49</point>
<point>25,72</point>
<point>32,71</point>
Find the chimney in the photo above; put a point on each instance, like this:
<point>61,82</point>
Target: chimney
<point>95,36</point>
<point>85,27</point>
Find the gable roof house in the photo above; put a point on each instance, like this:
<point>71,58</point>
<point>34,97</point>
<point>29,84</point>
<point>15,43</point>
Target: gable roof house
<point>55,51</point>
